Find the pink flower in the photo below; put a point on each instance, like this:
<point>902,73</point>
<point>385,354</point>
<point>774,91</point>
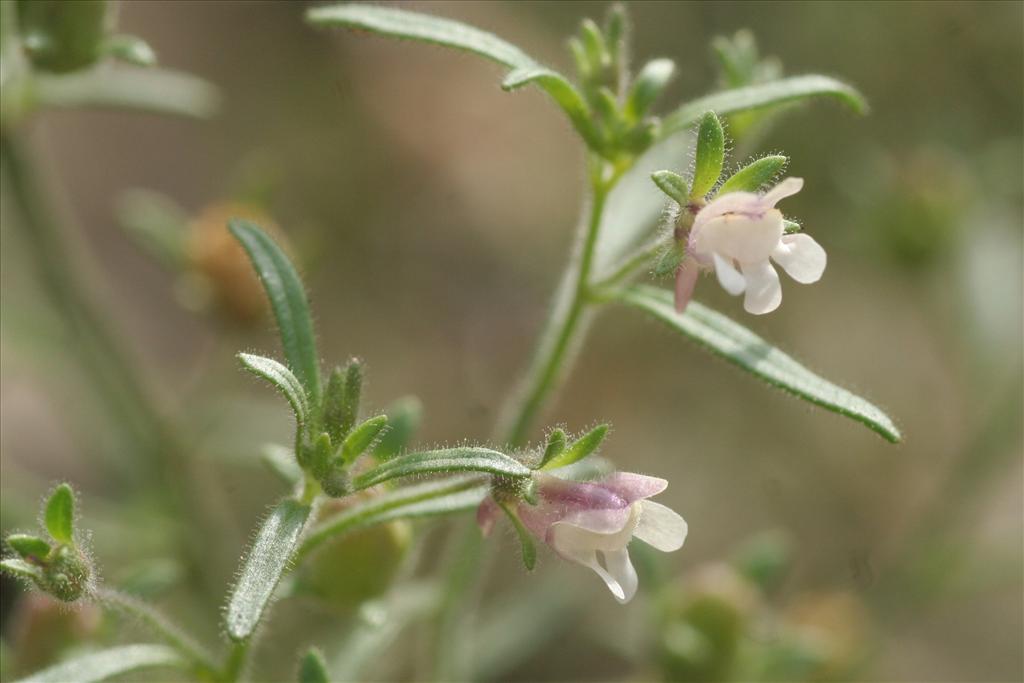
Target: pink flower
<point>737,235</point>
<point>592,523</point>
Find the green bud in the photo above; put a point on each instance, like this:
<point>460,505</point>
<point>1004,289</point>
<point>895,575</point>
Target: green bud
<point>336,483</point>
<point>60,514</point>
<point>673,185</point>
<point>350,397</point>
<point>648,86</point>
<point>322,452</point>
<point>616,32</point>
<point>62,36</point>
<point>710,155</point>
<point>362,437</point>
<point>789,227</point>
<point>28,547</point>
<point>66,574</point>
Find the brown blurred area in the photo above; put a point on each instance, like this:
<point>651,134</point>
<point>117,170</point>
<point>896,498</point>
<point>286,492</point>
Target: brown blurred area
<point>431,214</point>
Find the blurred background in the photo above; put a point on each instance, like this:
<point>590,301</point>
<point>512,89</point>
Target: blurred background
<point>431,214</point>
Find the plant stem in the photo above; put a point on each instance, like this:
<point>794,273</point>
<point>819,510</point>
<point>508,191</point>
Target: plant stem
<point>237,658</point>
<point>568,318</point>
<point>160,625</point>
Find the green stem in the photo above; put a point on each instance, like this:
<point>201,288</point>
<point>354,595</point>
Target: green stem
<point>160,625</point>
<point>565,324</point>
<point>237,658</point>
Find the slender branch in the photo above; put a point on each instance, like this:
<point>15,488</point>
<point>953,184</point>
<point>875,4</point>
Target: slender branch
<point>159,624</point>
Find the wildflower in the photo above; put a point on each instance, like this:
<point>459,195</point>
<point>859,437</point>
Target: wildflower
<point>738,234</point>
<point>592,523</point>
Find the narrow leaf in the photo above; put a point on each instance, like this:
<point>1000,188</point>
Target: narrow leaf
<point>105,664</point>
<point>351,395</point>
<point>320,453</point>
<point>448,460</point>
<point>288,301</point>
<point>422,500</point>
<point>60,514</point>
<point>710,155</point>
<point>262,569</point>
<point>361,437</point>
<point>130,49</point>
<point>790,89</point>
<point>282,378</point>
<point>740,346</point>
<point>312,668</point>
<point>21,568</point>
<point>754,175</point>
<point>673,185</point>
<point>404,417</point>
<point>525,539</point>
<point>28,546</point>
<point>554,448</point>
<point>580,448</point>
<point>397,23</point>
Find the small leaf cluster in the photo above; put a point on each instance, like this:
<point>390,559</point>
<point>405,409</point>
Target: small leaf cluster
<point>619,103</point>
<point>57,565</point>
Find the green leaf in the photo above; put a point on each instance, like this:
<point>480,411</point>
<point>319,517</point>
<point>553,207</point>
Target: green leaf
<point>312,668</point>
<point>281,461</point>
<point>288,301</point>
<point>648,86</point>
<point>22,568</point>
<point>789,227</point>
<point>790,89</point>
<point>525,539</point>
<point>404,417</point>
<point>362,437</point>
<point>60,514</point>
<point>710,155</point>
<point>673,185</point>
<point>158,91</point>
<point>348,410</point>
<point>554,448</point>
<point>740,346</point>
<point>580,448</point>
<point>320,453</point>
<point>106,664</point>
<point>670,258</point>
<point>282,378</point>
<point>130,49</point>
<point>262,569</point>
<point>448,460</point>
<point>27,545</point>
<point>755,175</point>
<point>448,496</point>
<point>397,23</point>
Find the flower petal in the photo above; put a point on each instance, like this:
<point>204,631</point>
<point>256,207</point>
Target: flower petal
<point>633,487</point>
<point>801,257</point>
<point>741,237</point>
<point>731,279</point>
<point>786,188</point>
<point>764,293</point>
<point>686,280</point>
<point>746,203</point>
<point>660,526</point>
<point>588,558</point>
<point>594,529</point>
<point>620,568</point>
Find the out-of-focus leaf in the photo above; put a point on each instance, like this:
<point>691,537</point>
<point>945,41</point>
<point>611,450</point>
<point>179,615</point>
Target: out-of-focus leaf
<point>404,417</point>
<point>282,378</point>
<point>792,89</point>
<point>159,91</point>
<point>281,461</point>
<point>21,568</point>
<point>60,514</point>
<point>312,668</point>
<point>743,348</point>
<point>266,562</point>
<point>444,461</point>
<point>130,49</point>
<point>288,301</point>
<point>105,664</point>
<point>648,86</point>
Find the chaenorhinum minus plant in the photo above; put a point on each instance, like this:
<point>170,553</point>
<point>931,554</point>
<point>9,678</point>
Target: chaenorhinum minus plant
<point>349,472</point>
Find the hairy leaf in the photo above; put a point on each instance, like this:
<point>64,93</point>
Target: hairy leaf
<point>710,155</point>
<point>673,185</point>
<point>754,175</point>
<point>27,545</point>
<point>740,346</point>
<point>448,460</point>
<point>105,664</point>
<point>525,539</point>
<point>263,567</point>
<point>60,514</point>
<point>580,448</point>
<point>282,378</point>
<point>288,301</point>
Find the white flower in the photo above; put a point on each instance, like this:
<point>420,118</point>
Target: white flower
<point>592,523</point>
<point>738,234</point>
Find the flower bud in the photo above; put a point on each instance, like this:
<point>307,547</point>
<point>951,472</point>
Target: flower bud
<point>66,574</point>
<point>63,36</point>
